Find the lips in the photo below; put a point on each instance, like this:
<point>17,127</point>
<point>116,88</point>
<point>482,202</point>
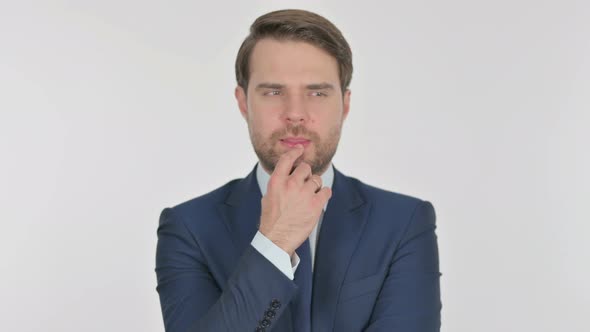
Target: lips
<point>292,141</point>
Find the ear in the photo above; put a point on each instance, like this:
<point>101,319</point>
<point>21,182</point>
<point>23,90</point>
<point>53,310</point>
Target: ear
<point>242,101</point>
<point>345,104</point>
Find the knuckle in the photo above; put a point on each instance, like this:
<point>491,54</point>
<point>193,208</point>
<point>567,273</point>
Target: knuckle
<point>323,195</point>
<point>328,193</point>
<point>305,166</point>
<point>291,182</point>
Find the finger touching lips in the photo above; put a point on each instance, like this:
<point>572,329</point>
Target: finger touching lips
<point>285,163</point>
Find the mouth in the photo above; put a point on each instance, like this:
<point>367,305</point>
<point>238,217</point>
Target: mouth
<point>292,141</point>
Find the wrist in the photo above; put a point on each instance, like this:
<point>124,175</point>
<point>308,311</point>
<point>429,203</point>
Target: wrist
<point>279,242</point>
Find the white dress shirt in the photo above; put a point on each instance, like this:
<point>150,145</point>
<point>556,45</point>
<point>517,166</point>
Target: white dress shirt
<point>277,256</point>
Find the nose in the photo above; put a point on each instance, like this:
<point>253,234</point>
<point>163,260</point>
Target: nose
<point>295,110</point>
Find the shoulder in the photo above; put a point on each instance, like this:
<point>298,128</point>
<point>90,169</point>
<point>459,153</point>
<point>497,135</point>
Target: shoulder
<point>204,205</point>
<point>390,203</point>
<point>393,215</point>
<point>381,195</point>
<point>218,195</point>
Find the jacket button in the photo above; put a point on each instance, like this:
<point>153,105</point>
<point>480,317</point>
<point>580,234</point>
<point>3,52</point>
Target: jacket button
<point>269,314</point>
<point>275,304</point>
<point>265,323</point>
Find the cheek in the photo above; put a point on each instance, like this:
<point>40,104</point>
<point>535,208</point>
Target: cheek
<point>265,104</point>
<point>326,121</point>
<point>264,125</point>
<point>263,111</point>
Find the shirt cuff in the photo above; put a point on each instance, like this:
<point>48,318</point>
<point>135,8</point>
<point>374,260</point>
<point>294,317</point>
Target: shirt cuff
<point>277,256</point>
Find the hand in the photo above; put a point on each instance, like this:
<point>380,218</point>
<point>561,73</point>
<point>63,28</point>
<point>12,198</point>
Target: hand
<point>293,202</point>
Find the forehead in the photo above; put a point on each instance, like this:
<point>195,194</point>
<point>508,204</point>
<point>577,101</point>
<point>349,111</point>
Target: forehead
<point>291,63</point>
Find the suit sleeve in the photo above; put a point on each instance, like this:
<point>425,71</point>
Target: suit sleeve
<point>256,293</point>
<point>277,256</point>
<point>410,298</point>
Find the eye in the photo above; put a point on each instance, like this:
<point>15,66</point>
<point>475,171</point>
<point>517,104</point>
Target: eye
<point>318,94</point>
<point>272,93</point>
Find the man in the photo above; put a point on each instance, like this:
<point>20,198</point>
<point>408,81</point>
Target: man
<point>296,245</point>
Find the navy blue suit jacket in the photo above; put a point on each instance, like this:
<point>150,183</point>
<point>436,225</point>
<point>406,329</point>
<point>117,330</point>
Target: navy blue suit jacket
<point>376,266</point>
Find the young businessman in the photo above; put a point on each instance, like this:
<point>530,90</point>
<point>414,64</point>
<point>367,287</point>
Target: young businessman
<point>296,245</point>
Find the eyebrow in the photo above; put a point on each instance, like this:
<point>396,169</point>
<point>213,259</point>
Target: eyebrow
<point>320,86</point>
<point>315,86</point>
<point>266,85</point>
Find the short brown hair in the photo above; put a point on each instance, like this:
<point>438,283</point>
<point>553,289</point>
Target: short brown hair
<point>296,25</point>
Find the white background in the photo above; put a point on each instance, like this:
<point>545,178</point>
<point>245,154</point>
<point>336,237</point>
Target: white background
<point>112,110</point>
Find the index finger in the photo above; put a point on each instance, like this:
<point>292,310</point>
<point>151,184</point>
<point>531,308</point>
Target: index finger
<point>285,163</point>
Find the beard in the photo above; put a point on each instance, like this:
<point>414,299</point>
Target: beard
<point>323,149</point>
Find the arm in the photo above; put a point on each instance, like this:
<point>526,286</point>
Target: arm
<point>190,298</point>
<point>410,298</point>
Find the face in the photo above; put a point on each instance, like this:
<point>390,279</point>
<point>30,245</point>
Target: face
<point>293,96</point>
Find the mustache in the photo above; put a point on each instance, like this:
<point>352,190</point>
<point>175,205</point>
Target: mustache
<point>295,131</point>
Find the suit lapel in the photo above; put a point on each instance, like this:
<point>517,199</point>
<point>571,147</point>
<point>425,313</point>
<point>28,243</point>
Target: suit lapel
<point>341,229</point>
<point>241,214</point>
